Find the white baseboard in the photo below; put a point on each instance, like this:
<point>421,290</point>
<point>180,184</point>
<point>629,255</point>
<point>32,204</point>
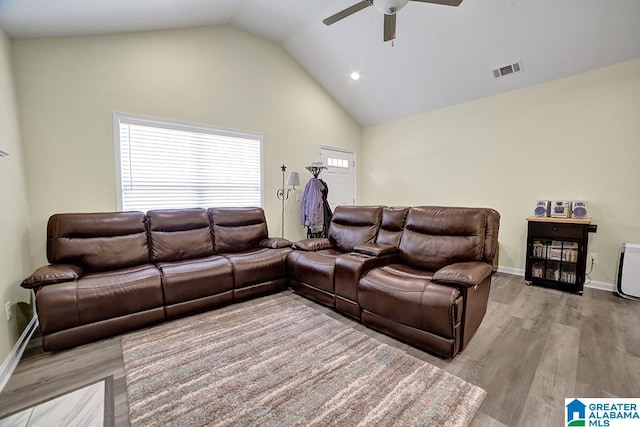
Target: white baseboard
<point>511,270</point>
<point>603,286</point>
<point>10,363</point>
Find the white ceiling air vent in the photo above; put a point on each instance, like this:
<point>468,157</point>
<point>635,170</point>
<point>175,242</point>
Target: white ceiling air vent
<point>507,70</point>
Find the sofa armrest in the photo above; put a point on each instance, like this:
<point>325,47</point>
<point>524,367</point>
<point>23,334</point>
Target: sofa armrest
<point>375,249</point>
<point>50,274</point>
<point>315,244</point>
<point>464,273</point>
<point>275,243</point>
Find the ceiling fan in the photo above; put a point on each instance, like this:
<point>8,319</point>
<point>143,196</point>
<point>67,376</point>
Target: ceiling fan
<point>389,8</point>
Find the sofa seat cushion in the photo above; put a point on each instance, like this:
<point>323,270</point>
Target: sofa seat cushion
<point>314,268</point>
<point>196,278</point>
<point>258,266</point>
<point>99,296</point>
<point>408,296</point>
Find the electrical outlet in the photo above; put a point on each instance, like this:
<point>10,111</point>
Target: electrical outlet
<point>593,256</point>
<point>8,310</point>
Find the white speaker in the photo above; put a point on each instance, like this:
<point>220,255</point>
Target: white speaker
<point>579,209</point>
<point>542,208</point>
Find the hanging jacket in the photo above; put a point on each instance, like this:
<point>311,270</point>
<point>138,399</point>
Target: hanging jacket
<point>327,209</point>
<point>312,210</point>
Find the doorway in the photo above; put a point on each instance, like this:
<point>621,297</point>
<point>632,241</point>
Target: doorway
<point>340,175</point>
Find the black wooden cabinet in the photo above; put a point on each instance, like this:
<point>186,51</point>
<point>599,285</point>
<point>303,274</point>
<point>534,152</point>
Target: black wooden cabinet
<point>557,252</point>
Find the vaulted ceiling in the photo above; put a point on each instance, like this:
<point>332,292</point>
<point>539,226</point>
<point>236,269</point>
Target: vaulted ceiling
<point>442,55</point>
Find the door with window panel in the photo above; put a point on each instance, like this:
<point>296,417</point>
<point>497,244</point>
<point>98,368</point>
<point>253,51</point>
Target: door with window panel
<point>339,175</point>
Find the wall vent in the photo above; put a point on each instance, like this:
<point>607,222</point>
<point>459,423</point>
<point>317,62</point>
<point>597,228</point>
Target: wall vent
<point>514,68</point>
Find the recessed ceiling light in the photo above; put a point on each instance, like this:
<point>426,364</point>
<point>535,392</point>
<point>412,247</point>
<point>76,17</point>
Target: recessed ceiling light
<point>355,75</point>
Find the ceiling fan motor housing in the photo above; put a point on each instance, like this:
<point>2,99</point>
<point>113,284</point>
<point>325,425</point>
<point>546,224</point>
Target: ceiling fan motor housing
<point>389,7</point>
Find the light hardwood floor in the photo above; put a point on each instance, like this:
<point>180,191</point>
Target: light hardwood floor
<point>535,347</point>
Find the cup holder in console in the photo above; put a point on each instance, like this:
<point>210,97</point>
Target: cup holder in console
<point>359,255</point>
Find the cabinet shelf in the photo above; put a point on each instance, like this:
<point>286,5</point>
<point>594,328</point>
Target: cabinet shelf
<point>557,252</point>
<point>553,259</point>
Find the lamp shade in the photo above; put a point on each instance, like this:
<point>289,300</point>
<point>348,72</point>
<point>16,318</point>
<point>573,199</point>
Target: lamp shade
<point>293,179</point>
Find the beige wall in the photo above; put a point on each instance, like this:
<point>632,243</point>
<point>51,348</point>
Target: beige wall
<point>68,89</point>
<point>577,138</point>
<point>14,219</point>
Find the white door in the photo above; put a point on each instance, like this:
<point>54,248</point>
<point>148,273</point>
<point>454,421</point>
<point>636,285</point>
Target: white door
<point>340,175</point>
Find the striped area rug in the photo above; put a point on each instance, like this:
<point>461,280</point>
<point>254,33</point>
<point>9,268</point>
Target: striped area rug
<point>274,361</point>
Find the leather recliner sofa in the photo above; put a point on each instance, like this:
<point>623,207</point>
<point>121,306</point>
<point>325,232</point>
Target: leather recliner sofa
<point>110,273</point>
<point>420,274</point>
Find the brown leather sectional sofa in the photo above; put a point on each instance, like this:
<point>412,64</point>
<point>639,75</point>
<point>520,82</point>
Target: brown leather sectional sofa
<point>420,274</point>
<point>115,272</point>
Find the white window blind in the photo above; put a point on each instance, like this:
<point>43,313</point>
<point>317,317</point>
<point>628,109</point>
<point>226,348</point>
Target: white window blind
<point>171,165</point>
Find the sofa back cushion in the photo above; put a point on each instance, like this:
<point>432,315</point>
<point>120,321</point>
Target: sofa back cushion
<point>98,241</point>
<point>179,234</point>
<point>237,229</point>
<point>354,225</point>
<point>491,235</point>
<point>391,226</point>
<point>434,237</point>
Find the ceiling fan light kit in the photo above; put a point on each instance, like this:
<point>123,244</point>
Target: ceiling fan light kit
<point>389,8</point>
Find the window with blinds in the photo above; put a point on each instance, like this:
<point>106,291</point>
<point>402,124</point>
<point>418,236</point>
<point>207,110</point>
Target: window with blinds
<point>173,165</point>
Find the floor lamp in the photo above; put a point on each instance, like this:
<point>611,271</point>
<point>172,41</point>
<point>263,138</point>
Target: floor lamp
<point>283,193</point>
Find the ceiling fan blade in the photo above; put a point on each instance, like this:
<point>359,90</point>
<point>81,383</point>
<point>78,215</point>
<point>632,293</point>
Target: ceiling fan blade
<point>443,2</point>
<point>348,11</point>
<point>389,27</point>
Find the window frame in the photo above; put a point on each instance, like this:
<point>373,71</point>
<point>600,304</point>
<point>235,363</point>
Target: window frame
<point>175,125</point>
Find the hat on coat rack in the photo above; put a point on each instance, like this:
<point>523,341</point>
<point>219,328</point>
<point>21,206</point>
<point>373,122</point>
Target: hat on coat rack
<point>315,168</point>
